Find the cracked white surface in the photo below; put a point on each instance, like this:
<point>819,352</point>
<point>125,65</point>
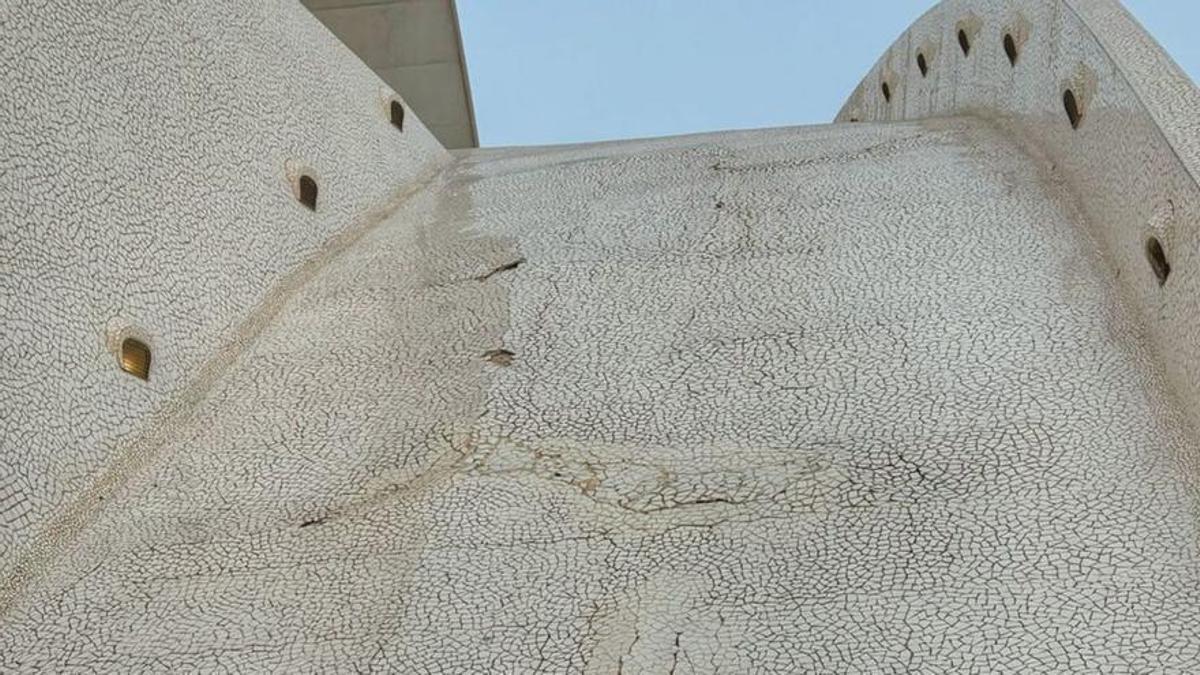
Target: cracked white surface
<point>770,407</point>
<point>143,187</point>
<point>881,397</point>
<point>1131,165</point>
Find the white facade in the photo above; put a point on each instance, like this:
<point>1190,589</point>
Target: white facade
<point>898,394</point>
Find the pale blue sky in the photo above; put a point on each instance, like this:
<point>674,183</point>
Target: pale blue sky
<point>565,71</point>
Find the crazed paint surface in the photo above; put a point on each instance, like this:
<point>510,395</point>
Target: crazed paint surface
<point>144,190</point>
<point>849,398</point>
<point>1132,164</point>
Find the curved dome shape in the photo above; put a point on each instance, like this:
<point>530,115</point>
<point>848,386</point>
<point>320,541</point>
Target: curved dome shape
<point>1109,113</point>
<point>914,391</point>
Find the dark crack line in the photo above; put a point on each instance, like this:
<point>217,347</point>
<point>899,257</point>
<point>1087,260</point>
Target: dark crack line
<point>503,268</point>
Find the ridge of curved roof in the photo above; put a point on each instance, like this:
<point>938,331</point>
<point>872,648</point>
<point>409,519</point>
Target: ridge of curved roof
<point>1132,163</point>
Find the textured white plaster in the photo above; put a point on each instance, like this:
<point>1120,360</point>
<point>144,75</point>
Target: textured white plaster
<point>785,400</point>
<point>1132,164</point>
<point>874,397</point>
<point>143,184</point>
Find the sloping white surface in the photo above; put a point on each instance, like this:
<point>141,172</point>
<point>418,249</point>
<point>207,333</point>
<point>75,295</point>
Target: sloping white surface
<point>146,153</point>
<point>851,398</point>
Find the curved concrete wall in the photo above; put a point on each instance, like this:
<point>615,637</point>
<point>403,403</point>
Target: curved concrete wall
<point>146,189</point>
<point>1131,160</point>
<point>622,407</point>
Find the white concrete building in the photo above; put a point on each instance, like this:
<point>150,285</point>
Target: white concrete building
<point>415,47</point>
<point>287,386</point>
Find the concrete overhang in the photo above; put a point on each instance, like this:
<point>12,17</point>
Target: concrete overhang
<point>415,46</point>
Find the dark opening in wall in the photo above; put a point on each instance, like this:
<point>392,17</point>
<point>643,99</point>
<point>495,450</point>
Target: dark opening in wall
<point>887,92</point>
<point>964,42</point>
<point>500,357</point>
<point>1010,48</point>
<point>135,358</point>
<point>1158,260</point>
<point>308,192</point>
<point>1072,108</point>
<point>397,115</point>
<point>922,64</point>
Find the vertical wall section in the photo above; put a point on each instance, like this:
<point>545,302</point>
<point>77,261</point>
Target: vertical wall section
<point>1112,115</point>
<point>151,188</point>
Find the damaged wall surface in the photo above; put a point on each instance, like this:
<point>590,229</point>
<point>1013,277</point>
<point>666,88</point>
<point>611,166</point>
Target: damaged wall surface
<point>905,392</point>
